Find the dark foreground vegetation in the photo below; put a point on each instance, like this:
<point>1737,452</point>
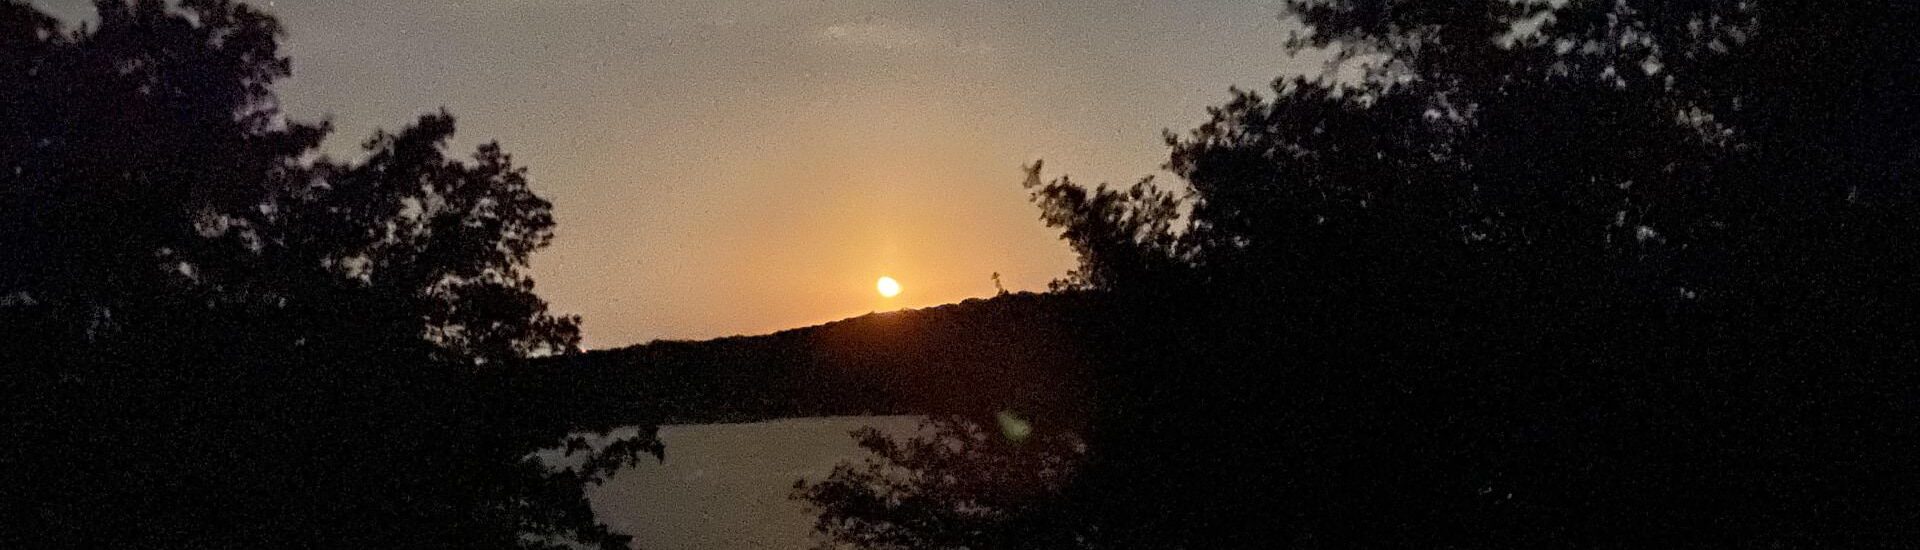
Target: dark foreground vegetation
<point>1613,274</point>
<point>211,339</point>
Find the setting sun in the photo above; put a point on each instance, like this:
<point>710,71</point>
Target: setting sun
<point>888,287</point>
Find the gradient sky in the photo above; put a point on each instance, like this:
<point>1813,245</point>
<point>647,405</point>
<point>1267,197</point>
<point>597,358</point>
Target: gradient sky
<point>732,167</point>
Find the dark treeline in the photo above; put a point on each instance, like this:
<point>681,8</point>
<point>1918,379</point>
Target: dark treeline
<point>1617,274</point>
<point>979,354</point>
<point>211,337</point>
<point>1545,274</point>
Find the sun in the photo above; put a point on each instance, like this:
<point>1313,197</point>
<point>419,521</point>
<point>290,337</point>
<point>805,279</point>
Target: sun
<point>888,287</point>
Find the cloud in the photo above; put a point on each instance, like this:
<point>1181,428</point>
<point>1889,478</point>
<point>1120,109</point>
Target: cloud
<point>897,36</point>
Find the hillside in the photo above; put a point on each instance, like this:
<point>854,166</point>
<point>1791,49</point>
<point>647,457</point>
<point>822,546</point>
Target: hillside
<point>1008,352</point>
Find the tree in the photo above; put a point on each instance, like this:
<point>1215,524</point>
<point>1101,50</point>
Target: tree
<point>960,483</point>
<point>445,241</point>
<point>216,340</point>
<point>1122,237</point>
<point>1547,274</point>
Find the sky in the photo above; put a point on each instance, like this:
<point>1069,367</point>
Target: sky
<point>729,167</point>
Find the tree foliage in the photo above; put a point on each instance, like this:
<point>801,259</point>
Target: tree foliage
<point>216,338</point>
<point>1544,274</point>
<point>1121,236</point>
<point>960,483</point>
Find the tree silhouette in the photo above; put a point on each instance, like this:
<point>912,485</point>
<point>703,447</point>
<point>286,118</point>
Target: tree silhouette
<point>1122,237</point>
<point>961,483</point>
<point>214,339</point>
<point>1546,274</point>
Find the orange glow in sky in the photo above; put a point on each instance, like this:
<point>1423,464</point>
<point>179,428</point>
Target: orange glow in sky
<point>742,167</point>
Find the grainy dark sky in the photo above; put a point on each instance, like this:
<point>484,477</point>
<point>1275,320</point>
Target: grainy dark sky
<point>724,167</point>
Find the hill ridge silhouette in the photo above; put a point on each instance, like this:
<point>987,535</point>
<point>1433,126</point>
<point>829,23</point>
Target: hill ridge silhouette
<point>974,356</point>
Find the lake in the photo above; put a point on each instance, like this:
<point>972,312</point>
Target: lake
<point>725,486</point>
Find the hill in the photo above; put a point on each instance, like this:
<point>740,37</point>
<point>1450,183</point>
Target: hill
<point>1012,351</point>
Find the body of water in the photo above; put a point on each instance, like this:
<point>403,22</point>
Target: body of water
<point>725,486</point>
